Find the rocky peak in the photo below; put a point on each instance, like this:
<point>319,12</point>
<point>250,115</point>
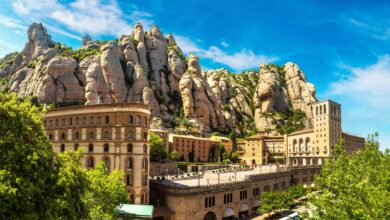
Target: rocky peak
<point>193,65</point>
<point>85,39</point>
<point>38,41</point>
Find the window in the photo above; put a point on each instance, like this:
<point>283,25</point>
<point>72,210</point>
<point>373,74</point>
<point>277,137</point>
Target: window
<point>76,135</point>
<point>145,180</point>
<point>76,147</point>
<point>256,191</point>
<point>56,122</point>
<point>63,122</point>
<point>145,149</point>
<point>129,148</point>
<point>138,120</point>
<point>129,164</point>
<point>63,136</point>
<point>145,136</point>
<point>276,187</point>
<point>91,135</point>
<point>131,199</point>
<point>99,120</point>
<point>283,185</point>
<point>90,163</point>
<point>130,119</point>
<point>62,147</point>
<point>90,148</point>
<point>243,194</point>
<point>130,135</point>
<point>106,135</point>
<point>128,180</point>
<point>209,201</point>
<point>145,121</point>
<point>142,198</point>
<point>145,164</point>
<point>77,120</point>
<point>51,123</point>
<point>266,188</point>
<point>106,161</point>
<point>70,121</point>
<point>106,148</point>
<point>91,120</point>
<point>50,136</point>
<point>107,119</point>
<point>227,198</point>
<point>84,120</point>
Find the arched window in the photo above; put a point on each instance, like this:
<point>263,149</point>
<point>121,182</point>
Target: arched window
<point>130,119</point>
<point>129,148</point>
<point>62,147</point>
<point>145,136</point>
<point>90,148</point>
<point>91,135</point>
<point>324,109</point>
<point>129,163</point>
<point>320,109</point>
<point>142,199</point>
<point>144,163</point>
<point>107,119</point>
<point>138,120</point>
<point>106,162</point>
<point>145,121</point>
<point>50,136</point>
<point>90,163</point>
<point>130,135</point>
<point>63,136</point>
<point>77,120</point>
<point>128,180</point>
<point>70,121</point>
<point>132,199</point>
<point>91,120</point>
<point>145,180</point>
<point>76,147</point>
<point>106,148</point>
<point>77,135</point>
<point>63,122</point>
<point>145,149</point>
<point>99,120</point>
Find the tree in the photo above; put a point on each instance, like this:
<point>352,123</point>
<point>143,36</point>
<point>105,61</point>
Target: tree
<point>234,157</point>
<point>212,154</point>
<point>354,187</point>
<point>157,149</point>
<point>274,201</point>
<point>221,150</point>
<point>191,156</point>
<point>36,183</point>
<point>174,155</point>
<point>297,191</point>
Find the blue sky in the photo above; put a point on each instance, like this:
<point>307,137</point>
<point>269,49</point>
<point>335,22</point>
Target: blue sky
<point>342,46</point>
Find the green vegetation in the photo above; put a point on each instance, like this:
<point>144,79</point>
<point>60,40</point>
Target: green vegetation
<point>4,84</point>
<point>78,55</point>
<point>354,187</point>
<point>288,121</point>
<point>171,46</point>
<point>184,126</point>
<point>183,166</point>
<point>8,59</point>
<point>221,151</point>
<point>32,64</point>
<point>174,156</point>
<point>158,151</point>
<point>36,183</point>
<point>279,200</point>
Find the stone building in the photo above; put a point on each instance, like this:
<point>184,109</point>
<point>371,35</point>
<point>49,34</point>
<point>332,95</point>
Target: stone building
<point>226,142</point>
<point>117,134</point>
<point>204,149</point>
<point>164,135</point>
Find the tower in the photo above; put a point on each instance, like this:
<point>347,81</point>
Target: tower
<point>327,127</point>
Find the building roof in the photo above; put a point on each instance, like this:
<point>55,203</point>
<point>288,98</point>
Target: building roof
<point>139,211</point>
<point>352,135</point>
<point>303,131</point>
<point>158,130</point>
<point>171,136</point>
<point>261,136</point>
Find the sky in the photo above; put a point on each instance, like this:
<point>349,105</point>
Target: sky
<point>342,46</point>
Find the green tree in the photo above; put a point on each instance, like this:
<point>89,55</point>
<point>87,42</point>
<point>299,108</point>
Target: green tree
<point>174,155</point>
<point>354,187</point>
<point>221,150</point>
<point>287,121</point>
<point>274,201</point>
<point>191,156</point>
<point>157,149</point>
<point>234,157</point>
<point>298,191</point>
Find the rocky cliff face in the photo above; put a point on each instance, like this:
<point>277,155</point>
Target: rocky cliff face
<point>147,67</point>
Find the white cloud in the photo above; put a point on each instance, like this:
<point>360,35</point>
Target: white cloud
<point>12,23</point>
<point>94,17</point>
<point>224,44</point>
<point>245,59</point>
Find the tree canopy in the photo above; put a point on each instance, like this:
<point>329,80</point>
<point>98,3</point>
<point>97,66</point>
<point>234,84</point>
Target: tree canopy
<point>36,183</point>
<point>354,187</point>
<point>157,149</point>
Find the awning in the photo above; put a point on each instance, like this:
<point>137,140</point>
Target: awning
<point>135,211</point>
<point>228,212</point>
<point>244,207</point>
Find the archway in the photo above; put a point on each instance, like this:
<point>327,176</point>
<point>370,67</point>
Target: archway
<point>303,161</point>
<point>243,211</point>
<point>295,162</point>
<point>228,214</point>
<point>319,161</point>
<point>210,216</point>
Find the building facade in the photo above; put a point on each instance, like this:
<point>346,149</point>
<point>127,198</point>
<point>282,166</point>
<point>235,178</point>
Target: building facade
<point>226,142</point>
<point>117,134</point>
<point>164,135</point>
<point>203,149</point>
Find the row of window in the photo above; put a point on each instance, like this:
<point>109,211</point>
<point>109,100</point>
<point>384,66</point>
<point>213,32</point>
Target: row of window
<point>129,180</point>
<point>92,121</point>
<point>92,136</point>
<point>106,148</point>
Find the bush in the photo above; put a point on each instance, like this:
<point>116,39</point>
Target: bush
<point>183,166</point>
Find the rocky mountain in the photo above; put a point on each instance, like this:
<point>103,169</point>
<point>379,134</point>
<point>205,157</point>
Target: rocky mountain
<point>148,67</point>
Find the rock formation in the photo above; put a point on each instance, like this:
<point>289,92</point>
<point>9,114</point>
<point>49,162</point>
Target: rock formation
<point>147,67</point>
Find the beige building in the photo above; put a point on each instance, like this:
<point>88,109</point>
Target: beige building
<point>117,134</point>
<point>203,149</point>
<point>259,148</point>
